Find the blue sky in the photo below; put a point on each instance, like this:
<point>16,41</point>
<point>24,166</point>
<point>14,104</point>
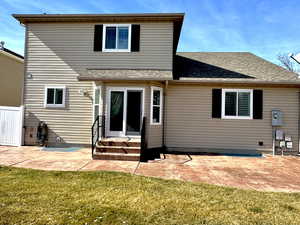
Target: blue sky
<point>264,27</point>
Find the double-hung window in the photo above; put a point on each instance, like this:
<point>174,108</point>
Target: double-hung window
<point>116,38</point>
<point>156,106</point>
<point>237,103</point>
<point>55,96</point>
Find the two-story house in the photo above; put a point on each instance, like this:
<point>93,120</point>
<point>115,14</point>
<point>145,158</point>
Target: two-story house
<point>122,73</point>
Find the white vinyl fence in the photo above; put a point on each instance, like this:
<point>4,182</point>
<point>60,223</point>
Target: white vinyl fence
<point>11,125</point>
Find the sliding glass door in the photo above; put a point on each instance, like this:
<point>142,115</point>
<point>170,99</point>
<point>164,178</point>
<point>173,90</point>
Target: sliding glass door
<point>125,111</point>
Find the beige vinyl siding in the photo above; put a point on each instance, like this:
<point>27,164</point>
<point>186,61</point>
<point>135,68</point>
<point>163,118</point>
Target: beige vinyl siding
<point>189,123</point>
<point>11,80</point>
<point>58,52</point>
<point>72,44</point>
<point>153,132</point>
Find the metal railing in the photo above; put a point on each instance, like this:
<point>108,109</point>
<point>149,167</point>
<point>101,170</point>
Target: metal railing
<point>96,131</point>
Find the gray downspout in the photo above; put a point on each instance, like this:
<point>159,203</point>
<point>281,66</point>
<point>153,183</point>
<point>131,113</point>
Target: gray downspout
<point>23,91</point>
<point>164,116</point>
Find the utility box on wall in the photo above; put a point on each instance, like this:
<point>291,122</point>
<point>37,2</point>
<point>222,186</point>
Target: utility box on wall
<point>277,118</point>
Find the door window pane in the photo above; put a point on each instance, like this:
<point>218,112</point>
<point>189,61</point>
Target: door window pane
<point>59,96</point>
<point>50,96</point>
<point>134,111</point>
<point>122,37</point>
<point>244,104</point>
<point>230,103</point>
<point>116,111</point>
<point>110,39</point>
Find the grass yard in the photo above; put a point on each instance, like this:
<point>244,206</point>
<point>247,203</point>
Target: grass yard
<point>41,197</point>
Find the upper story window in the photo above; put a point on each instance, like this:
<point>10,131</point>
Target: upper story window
<point>116,38</point>
<point>237,104</point>
<point>55,96</point>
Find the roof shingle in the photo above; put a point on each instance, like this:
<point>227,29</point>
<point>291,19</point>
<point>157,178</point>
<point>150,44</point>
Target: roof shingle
<point>228,66</point>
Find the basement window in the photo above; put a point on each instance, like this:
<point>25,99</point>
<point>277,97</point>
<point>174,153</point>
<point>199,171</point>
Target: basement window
<point>55,96</point>
<point>237,104</point>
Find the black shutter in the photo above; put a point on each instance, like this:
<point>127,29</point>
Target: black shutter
<point>257,104</point>
<point>98,38</point>
<point>216,103</point>
<point>135,37</point>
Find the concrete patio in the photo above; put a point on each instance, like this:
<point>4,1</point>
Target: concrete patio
<point>264,174</point>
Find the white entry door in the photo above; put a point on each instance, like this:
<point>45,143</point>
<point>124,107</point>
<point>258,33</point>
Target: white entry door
<point>124,111</point>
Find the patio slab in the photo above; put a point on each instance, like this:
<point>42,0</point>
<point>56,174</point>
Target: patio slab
<point>111,165</point>
<point>264,174</point>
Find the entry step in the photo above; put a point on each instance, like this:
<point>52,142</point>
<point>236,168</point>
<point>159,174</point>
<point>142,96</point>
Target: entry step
<point>124,142</point>
<point>116,156</point>
<point>117,149</point>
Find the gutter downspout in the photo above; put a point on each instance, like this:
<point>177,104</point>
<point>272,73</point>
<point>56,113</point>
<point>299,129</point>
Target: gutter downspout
<point>23,92</point>
<point>164,115</point>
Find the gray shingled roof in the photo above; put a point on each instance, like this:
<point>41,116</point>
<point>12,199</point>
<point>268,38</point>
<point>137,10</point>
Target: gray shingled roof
<point>126,74</point>
<point>229,66</point>
<point>219,67</point>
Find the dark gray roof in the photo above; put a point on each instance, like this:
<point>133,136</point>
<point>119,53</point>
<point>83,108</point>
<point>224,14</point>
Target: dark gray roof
<point>229,66</point>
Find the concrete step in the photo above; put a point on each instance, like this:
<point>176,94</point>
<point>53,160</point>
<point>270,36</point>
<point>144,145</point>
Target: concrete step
<point>125,143</point>
<point>116,156</point>
<point>118,149</point>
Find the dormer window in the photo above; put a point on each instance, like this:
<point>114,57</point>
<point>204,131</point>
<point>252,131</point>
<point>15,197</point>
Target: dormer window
<point>116,38</point>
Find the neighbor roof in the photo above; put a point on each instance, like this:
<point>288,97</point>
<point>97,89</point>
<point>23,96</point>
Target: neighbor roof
<point>176,18</point>
<point>12,54</point>
<point>229,67</point>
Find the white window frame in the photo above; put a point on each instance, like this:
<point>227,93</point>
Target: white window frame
<point>63,105</point>
<point>122,133</point>
<point>237,91</point>
<point>96,87</point>
<point>160,105</point>
<point>104,38</point>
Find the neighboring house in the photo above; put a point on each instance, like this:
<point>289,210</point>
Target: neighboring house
<point>11,77</point>
<point>124,67</point>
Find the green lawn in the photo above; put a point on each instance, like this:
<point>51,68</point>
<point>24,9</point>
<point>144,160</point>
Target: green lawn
<point>41,197</point>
